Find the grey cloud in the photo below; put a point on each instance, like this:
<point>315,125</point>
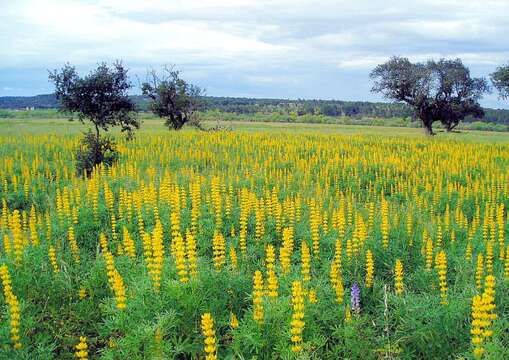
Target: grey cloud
<point>300,48</point>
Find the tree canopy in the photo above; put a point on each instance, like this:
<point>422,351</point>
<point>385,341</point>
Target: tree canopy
<point>500,79</point>
<point>172,98</point>
<point>440,90</point>
<point>100,97</point>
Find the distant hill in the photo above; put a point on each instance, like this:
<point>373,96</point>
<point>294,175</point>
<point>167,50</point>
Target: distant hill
<point>253,106</point>
<point>47,101</point>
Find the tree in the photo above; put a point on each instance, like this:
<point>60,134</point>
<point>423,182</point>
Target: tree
<point>437,90</point>
<point>102,98</point>
<point>172,98</point>
<point>500,80</point>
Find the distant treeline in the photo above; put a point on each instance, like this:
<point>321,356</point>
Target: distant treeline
<point>308,107</point>
<point>334,108</point>
<point>246,106</point>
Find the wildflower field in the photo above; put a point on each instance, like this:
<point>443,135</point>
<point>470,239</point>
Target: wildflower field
<point>255,245</point>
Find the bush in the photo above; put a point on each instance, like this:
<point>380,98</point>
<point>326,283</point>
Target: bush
<point>95,150</point>
<point>32,114</point>
<point>483,126</point>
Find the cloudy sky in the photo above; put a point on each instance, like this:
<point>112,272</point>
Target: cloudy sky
<point>256,48</point>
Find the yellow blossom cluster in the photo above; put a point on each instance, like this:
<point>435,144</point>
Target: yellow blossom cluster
<point>13,304</point>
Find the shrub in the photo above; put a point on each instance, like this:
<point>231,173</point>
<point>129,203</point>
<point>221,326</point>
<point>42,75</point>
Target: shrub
<point>94,151</point>
<point>483,126</point>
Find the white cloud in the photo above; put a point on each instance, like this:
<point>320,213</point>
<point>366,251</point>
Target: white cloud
<point>244,31</point>
<point>361,62</point>
<point>272,79</point>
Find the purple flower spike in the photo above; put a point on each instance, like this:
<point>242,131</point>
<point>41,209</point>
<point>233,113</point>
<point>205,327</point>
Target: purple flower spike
<point>355,298</point>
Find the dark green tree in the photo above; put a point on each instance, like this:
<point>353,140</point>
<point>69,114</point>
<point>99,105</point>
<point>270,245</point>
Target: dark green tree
<point>500,80</point>
<point>102,98</point>
<point>172,98</point>
<point>437,90</point>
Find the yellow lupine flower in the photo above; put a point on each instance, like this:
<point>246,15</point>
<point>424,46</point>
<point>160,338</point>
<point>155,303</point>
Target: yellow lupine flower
<point>441,265</point>
<point>13,306</point>
<point>258,297</point>
<point>82,348</point>
<point>398,277</point>
<point>370,268</point>
<point>209,334</point>
<point>297,323</point>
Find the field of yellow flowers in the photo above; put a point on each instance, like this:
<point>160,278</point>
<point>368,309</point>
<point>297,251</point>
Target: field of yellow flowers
<point>255,245</point>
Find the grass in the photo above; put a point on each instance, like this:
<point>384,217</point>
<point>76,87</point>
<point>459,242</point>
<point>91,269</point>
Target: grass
<point>151,125</point>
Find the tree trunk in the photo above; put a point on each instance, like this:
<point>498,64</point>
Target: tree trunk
<point>426,117</point>
<point>451,126</point>
<point>428,127</point>
<point>98,151</point>
<point>97,132</point>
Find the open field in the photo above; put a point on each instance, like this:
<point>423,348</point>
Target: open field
<point>272,241</point>
<point>152,125</point>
